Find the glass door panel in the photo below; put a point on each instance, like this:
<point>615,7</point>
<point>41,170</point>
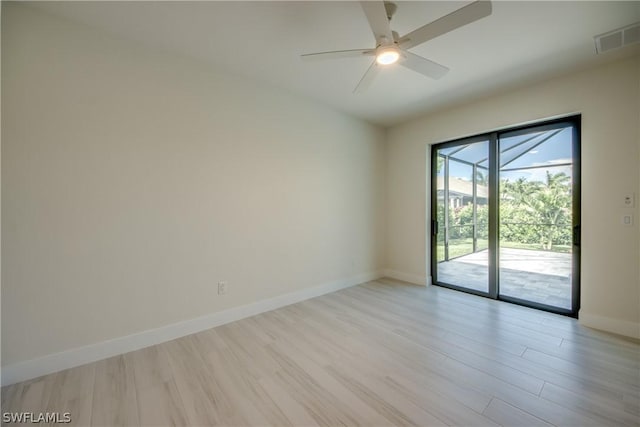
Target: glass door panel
<point>536,216</point>
<point>505,211</point>
<point>461,226</point>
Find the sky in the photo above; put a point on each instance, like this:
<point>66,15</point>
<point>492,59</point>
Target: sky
<point>551,148</point>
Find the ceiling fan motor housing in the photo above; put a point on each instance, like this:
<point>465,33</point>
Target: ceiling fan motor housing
<point>390,8</point>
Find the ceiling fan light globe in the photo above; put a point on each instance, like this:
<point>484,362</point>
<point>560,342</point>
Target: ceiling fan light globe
<point>387,56</point>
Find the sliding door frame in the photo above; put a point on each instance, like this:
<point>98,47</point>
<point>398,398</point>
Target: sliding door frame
<point>434,212</point>
<point>494,220</point>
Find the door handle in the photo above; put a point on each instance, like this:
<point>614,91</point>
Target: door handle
<point>434,227</point>
<point>576,235</point>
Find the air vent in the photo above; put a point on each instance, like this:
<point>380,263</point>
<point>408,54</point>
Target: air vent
<point>618,38</point>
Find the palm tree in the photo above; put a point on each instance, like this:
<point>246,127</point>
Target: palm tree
<point>482,178</point>
<point>544,203</point>
<point>555,200</point>
<point>520,190</point>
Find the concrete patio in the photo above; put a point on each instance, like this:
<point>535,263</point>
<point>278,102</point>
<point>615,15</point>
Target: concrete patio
<point>538,276</point>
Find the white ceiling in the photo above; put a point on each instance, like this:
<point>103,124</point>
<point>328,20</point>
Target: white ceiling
<point>520,42</point>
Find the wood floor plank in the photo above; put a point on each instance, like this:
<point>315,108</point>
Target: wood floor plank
<point>151,367</point>
<point>10,397</point>
<point>31,397</point>
<point>319,402</point>
<point>296,413</point>
<point>248,350</point>
<point>606,411</point>
<point>114,395</point>
<point>382,353</point>
<point>161,405</point>
<point>72,392</point>
<point>250,402</point>
<point>321,375</point>
<point>397,410</point>
<point>392,362</point>
<point>202,397</point>
<point>451,411</point>
<point>453,323</point>
<point>631,404</point>
<point>630,378</point>
<point>608,361</point>
<point>507,415</point>
<point>159,402</point>
<point>582,384</point>
<point>478,361</point>
<point>35,393</point>
<point>570,349</point>
<point>456,314</point>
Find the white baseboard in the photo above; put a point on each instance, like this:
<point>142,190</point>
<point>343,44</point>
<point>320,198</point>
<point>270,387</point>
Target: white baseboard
<point>616,326</point>
<point>406,277</point>
<point>51,363</point>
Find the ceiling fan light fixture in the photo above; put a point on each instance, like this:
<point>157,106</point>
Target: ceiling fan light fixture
<point>387,55</point>
<point>392,48</point>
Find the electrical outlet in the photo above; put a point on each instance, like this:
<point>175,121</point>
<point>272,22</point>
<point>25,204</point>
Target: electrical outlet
<point>222,288</point>
<point>627,220</point>
<point>629,200</point>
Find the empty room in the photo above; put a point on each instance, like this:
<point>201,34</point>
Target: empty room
<point>320,213</point>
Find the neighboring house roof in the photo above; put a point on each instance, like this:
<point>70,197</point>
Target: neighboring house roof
<point>463,187</point>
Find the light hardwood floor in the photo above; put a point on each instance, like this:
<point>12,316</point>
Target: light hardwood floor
<point>382,353</point>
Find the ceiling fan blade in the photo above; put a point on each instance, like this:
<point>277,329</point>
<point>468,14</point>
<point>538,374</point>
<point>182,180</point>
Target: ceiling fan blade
<point>367,78</point>
<point>378,21</point>
<point>461,17</point>
<point>423,65</point>
<point>335,54</point>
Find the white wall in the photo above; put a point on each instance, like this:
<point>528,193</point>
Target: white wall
<point>134,180</point>
<point>608,99</point>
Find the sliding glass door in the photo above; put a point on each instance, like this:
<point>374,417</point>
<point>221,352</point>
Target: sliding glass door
<point>506,215</point>
<point>536,215</point>
<point>462,172</point>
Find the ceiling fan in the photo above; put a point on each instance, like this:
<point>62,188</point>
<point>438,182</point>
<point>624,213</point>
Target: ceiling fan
<point>391,48</point>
